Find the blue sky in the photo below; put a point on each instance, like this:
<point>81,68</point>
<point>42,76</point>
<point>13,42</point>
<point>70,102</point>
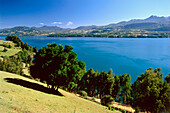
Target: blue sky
<point>73,13</point>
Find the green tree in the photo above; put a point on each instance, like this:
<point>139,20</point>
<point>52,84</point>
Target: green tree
<point>126,88</point>
<point>106,100</point>
<point>11,65</point>
<point>122,89</point>
<point>105,83</point>
<point>116,88</point>
<point>16,40</point>
<point>167,78</point>
<point>151,92</point>
<point>88,82</point>
<point>58,66</point>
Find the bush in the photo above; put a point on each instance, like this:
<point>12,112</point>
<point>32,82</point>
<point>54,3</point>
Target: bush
<point>83,93</point>
<point>11,65</point>
<point>137,109</point>
<point>123,111</point>
<point>6,45</point>
<point>93,98</point>
<point>5,50</point>
<point>106,100</point>
<point>111,108</point>
<point>37,79</point>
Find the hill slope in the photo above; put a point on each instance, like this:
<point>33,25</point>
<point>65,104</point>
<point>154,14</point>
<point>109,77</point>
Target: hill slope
<point>10,51</point>
<point>20,94</point>
<point>150,25</point>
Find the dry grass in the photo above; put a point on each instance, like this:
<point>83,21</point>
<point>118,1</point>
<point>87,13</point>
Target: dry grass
<point>18,97</point>
<point>10,51</point>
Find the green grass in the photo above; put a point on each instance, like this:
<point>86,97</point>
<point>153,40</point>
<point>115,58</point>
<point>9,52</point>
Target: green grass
<point>10,51</point>
<point>21,95</point>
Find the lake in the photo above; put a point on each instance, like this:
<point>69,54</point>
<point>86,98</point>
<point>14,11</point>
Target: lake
<point>124,55</point>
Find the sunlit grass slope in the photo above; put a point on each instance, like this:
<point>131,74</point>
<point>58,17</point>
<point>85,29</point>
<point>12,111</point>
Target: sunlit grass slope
<point>20,94</point>
<point>10,51</point>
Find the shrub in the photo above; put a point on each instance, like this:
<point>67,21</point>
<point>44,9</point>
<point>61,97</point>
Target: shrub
<point>37,79</point>
<point>6,45</point>
<point>137,109</point>
<point>93,98</point>
<point>123,111</point>
<point>4,50</point>
<point>106,100</point>
<point>11,65</point>
<point>83,93</point>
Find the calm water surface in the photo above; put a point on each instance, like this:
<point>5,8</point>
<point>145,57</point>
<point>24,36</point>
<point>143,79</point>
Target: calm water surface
<point>123,55</point>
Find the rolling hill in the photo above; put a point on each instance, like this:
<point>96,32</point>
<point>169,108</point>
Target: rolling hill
<point>22,95</point>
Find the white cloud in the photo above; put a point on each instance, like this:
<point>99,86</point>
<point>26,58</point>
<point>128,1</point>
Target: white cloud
<point>69,23</point>
<point>57,23</point>
<point>41,23</point>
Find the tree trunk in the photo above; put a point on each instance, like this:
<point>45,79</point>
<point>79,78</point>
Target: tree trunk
<point>57,88</point>
<point>52,87</point>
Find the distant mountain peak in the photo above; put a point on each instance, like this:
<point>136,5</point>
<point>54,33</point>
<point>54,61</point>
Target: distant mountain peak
<point>153,16</point>
<point>156,18</point>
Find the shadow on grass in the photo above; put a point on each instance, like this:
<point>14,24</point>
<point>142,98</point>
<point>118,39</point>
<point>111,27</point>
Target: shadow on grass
<point>31,85</point>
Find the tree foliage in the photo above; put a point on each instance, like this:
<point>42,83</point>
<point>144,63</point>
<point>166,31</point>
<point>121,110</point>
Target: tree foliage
<point>97,84</point>
<point>106,100</point>
<point>11,65</point>
<point>122,89</point>
<point>151,93</point>
<point>58,66</point>
<point>15,40</point>
<point>20,43</point>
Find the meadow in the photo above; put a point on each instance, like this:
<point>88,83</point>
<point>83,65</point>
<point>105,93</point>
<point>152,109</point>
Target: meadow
<point>23,95</point>
<point>10,51</point>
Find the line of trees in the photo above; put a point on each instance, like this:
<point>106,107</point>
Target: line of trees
<point>114,35</point>
<point>58,66</point>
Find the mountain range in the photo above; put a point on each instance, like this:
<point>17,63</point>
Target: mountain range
<point>152,24</point>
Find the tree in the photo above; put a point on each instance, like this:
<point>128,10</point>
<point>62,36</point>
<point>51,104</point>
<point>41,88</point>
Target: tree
<point>88,82</point>
<point>167,78</point>
<point>122,89</point>
<point>16,40</point>
<point>126,88</point>
<point>151,92</point>
<point>116,88</point>
<point>11,65</point>
<point>58,66</point>
<point>106,100</point>
<point>105,83</point>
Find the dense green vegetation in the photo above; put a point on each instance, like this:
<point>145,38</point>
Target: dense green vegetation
<point>151,93</point>
<point>13,61</point>
<point>11,65</point>
<point>58,66</point>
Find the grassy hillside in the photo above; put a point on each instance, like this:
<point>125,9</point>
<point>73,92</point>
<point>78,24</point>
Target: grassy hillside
<point>20,94</point>
<point>10,51</point>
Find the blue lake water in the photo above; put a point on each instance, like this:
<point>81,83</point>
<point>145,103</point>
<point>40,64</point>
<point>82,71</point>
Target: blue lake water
<point>124,55</point>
